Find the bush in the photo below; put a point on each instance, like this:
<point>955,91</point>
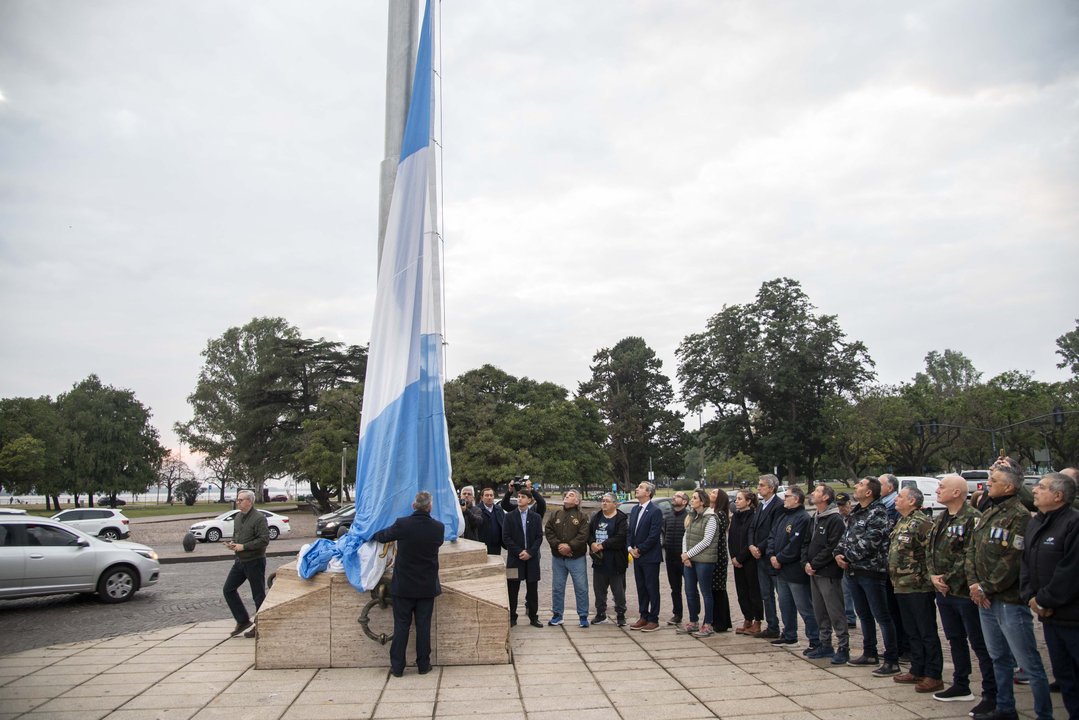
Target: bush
<point>188,490</point>
<point>684,484</point>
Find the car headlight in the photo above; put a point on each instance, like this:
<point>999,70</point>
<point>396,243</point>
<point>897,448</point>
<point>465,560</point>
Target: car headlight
<point>199,526</point>
<point>331,524</point>
<point>150,554</point>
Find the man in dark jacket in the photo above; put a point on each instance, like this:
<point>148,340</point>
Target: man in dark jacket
<point>472,515</point>
<point>250,536</point>
<point>759,532</point>
<point>643,539</point>
<point>415,581</point>
<point>493,514</point>
<point>1049,579</point>
<point>674,528</point>
<point>522,536</point>
<point>607,547</point>
<point>825,577</point>
<point>863,553</point>
<point>784,554</point>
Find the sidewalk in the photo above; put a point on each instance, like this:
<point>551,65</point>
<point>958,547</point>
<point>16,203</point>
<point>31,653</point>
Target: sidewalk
<point>599,673</point>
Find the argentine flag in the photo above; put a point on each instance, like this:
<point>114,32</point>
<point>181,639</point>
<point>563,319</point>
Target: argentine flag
<point>404,445</point>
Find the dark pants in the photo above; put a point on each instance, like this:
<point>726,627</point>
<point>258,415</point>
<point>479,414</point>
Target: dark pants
<point>616,581</point>
<point>748,590</point>
<point>647,577</point>
<point>920,625</point>
<point>531,598</point>
<point>1063,645</point>
<point>673,560</point>
<point>901,637</point>
<point>404,609</point>
<point>250,571</point>
<point>961,624</point>
<point>871,603</point>
<point>767,583</point>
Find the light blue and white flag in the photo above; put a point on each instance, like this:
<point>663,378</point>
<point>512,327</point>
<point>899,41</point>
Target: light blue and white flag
<point>404,445</point>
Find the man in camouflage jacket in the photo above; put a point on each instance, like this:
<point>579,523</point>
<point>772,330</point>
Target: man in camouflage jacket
<point>992,565</point>
<point>863,553</point>
<point>946,560</point>
<point>914,592</point>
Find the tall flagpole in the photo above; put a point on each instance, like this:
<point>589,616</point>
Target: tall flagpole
<point>402,42</point>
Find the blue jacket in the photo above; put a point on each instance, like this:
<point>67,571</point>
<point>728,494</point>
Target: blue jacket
<point>785,544</point>
<point>491,530</point>
<point>644,533</point>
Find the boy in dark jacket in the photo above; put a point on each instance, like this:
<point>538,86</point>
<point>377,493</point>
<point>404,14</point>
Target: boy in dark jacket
<point>826,577</point>
<point>792,584</point>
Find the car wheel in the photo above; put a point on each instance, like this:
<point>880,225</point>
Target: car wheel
<point>117,585</point>
<point>110,534</point>
<point>269,580</point>
<point>213,535</point>
<point>342,531</point>
<point>274,532</point>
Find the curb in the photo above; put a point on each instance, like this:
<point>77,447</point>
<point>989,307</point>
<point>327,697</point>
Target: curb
<point>193,558</point>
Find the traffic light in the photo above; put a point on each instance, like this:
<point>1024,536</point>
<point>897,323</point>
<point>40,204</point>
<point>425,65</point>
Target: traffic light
<point>1058,416</point>
<point>934,426</point>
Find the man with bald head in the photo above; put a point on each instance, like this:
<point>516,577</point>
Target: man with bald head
<point>948,538</point>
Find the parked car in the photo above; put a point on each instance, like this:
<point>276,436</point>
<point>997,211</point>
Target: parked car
<point>44,557</point>
<point>214,529</point>
<point>335,524</point>
<point>664,504</point>
<point>103,522</point>
<point>976,479</point>
<point>928,486</point>
<point>279,497</point>
<point>105,501</point>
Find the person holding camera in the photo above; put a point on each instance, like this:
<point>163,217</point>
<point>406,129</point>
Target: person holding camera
<point>515,486</point>
<point>472,514</point>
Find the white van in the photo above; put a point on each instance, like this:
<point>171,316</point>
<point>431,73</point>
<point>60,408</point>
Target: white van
<point>928,486</point>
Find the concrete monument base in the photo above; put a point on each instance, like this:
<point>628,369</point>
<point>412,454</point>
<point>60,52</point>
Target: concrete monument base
<point>314,623</point>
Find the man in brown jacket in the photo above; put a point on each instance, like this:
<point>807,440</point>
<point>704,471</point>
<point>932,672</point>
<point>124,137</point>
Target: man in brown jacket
<point>567,534</point>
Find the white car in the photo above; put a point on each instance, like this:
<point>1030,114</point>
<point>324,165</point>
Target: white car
<point>42,557</point>
<point>102,522</point>
<point>930,505</point>
<point>219,527</point>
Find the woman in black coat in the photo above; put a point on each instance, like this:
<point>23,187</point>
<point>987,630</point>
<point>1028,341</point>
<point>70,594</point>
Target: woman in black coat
<point>721,604</point>
<point>745,566</point>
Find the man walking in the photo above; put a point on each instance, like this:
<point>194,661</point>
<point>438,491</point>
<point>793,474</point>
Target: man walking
<point>250,536</point>
<point>645,527</point>
<point>945,561</point>
<point>1049,579</point>
<point>826,578</point>
<point>992,564</point>
<point>674,529</point>
<point>522,535</point>
<point>863,553</point>
<point>567,534</point>
<point>914,592</point>
<point>415,585</point>
<point>759,531</point>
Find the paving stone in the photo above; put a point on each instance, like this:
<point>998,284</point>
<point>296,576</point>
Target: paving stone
<point>606,713</point>
<point>631,684</point>
<point>82,703</point>
<point>829,701</point>
<point>266,712</point>
<point>174,713</point>
<point>96,688</point>
<point>480,707</point>
<point>563,702</point>
<point>811,687</point>
<point>329,712</point>
<point>883,712</point>
<point>752,706</point>
<point>727,691</point>
<point>404,709</point>
<point>88,714</point>
<point>21,705</point>
<point>150,701</point>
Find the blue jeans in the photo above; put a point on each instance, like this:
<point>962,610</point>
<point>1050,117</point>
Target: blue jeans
<point>794,600</point>
<point>699,575</point>
<point>848,601</point>
<point>577,569</point>
<point>1005,627</point>
<point>871,603</point>
<point>768,592</point>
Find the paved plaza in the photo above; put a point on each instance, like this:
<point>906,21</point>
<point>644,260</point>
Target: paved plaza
<point>564,673</point>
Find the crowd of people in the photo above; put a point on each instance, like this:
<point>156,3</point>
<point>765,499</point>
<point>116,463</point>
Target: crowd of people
<point>987,565</point>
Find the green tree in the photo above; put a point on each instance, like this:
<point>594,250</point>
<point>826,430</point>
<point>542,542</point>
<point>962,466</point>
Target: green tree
<point>172,472</point>
<point>111,445</point>
<point>32,441</point>
<point>634,399</point>
<point>768,371</point>
<point>949,374</point>
<point>188,490</point>
<point>1068,349</point>
<point>738,470</point>
<point>332,428</point>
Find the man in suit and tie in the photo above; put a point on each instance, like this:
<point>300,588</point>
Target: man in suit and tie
<point>760,530</point>
<point>415,581</point>
<point>493,515</point>
<point>522,536</point>
<point>645,525</point>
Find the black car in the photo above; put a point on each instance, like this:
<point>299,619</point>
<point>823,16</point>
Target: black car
<point>336,524</point>
<point>664,504</point>
<point>110,502</point>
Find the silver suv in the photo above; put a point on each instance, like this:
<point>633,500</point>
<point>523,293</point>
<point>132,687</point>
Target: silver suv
<point>42,557</point>
<point>103,522</point>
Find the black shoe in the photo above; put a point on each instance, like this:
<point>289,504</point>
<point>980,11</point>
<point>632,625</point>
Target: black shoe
<point>767,634</point>
<point>1054,686</point>
<point>887,668</point>
<point>513,622</point>
<point>397,674</point>
<point>424,671</point>
<point>904,659</point>
<point>253,632</point>
<point>534,622</point>
<point>675,620</point>
<point>785,641</point>
<point>953,694</point>
<point>621,622</point>
<point>995,714</point>
<point>864,660</point>
<point>241,627</point>
<point>986,705</point>
<point>599,619</point>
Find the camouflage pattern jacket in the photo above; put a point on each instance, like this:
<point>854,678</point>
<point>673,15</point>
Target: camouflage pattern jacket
<point>994,552</point>
<point>906,554</point>
<point>947,551</point>
<point>865,542</point>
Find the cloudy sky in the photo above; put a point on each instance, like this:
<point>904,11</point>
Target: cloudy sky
<point>171,169</point>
